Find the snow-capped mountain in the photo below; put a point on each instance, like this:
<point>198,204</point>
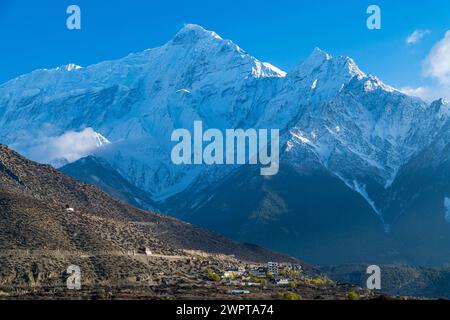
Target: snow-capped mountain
<point>136,102</point>
<point>335,120</point>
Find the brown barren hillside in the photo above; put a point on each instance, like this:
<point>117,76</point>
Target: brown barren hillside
<point>49,222</point>
<point>34,200</point>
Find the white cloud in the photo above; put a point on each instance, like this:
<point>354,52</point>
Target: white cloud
<point>416,36</point>
<point>437,67</point>
<point>437,63</point>
<point>421,92</point>
<point>67,147</point>
<point>427,93</point>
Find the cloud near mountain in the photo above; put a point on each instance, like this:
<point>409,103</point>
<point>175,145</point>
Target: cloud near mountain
<point>67,147</point>
<point>436,66</point>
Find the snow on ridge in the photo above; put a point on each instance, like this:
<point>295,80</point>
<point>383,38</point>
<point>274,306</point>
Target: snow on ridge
<point>373,83</point>
<point>301,138</point>
<point>198,30</point>
<point>277,70</point>
<point>264,69</point>
<point>361,189</point>
<point>69,67</point>
<point>353,68</point>
<point>183,91</point>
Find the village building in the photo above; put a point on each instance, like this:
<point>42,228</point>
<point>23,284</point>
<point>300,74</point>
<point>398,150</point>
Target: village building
<point>145,250</point>
<point>282,282</point>
<point>296,267</point>
<point>233,272</point>
<point>259,272</point>
<point>240,291</point>
<point>272,267</point>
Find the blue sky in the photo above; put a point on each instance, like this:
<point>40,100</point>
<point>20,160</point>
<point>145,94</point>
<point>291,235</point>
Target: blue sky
<point>283,32</point>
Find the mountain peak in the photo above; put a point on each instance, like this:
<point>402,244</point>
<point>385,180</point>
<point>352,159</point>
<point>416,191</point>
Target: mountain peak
<point>192,33</point>
<point>192,27</point>
<point>223,52</point>
<point>318,58</point>
<point>318,55</point>
<point>324,74</point>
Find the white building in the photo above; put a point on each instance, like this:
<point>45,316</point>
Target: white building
<point>260,272</point>
<point>233,272</point>
<point>282,282</point>
<point>272,267</point>
<point>145,250</point>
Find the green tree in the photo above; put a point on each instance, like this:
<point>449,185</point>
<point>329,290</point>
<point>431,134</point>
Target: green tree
<point>213,276</point>
<point>352,295</point>
<point>289,296</point>
<point>293,284</point>
<point>263,282</point>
